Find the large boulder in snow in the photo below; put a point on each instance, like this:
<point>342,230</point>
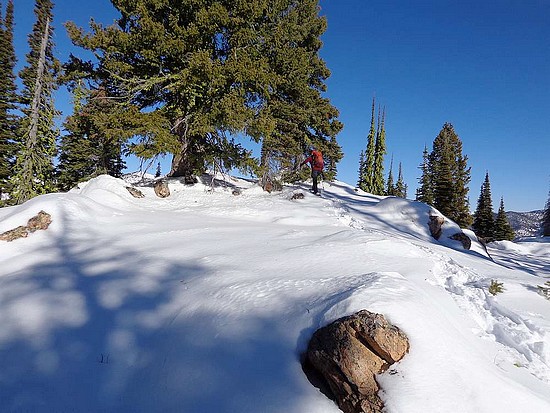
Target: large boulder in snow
<point>161,189</point>
<point>436,225</point>
<point>136,193</point>
<point>40,221</point>
<point>344,357</point>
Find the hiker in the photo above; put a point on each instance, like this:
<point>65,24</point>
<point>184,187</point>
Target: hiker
<point>317,164</point>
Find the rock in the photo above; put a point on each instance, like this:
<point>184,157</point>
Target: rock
<point>463,238</point>
<point>13,234</point>
<point>236,192</point>
<point>40,221</point>
<point>298,195</point>
<point>435,225</point>
<point>136,193</point>
<point>343,358</point>
<point>161,189</point>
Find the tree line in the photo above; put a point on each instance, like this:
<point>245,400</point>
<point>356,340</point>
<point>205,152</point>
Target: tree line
<point>443,183</point>
<point>180,78</point>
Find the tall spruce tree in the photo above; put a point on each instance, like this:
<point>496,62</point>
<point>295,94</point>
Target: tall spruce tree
<point>90,147</point>
<point>367,166</point>
<point>424,192</point>
<point>390,186</point>
<point>8,102</point>
<point>449,176</point>
<point>484,224</point>
<point>545,224</point>
<point>34,169</point>
<point>379,153</point>
<point>502,230</point>
<point>196,74</point>
<point>400,185</point>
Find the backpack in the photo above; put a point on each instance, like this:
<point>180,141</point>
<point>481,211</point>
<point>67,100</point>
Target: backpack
<point>317,157</point>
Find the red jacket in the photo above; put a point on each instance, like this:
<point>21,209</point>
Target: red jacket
<point>316,166</point>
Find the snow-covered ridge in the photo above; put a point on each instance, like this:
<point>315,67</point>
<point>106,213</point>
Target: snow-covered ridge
<point>204,301</point>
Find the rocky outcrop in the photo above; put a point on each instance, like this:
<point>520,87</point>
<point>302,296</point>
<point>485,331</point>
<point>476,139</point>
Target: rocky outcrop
<point>344,357</point>
<point>161,189</point>
<point>436,225</point>
<point>463,239</point>
<point>40,221</point>
<point>136,193</point>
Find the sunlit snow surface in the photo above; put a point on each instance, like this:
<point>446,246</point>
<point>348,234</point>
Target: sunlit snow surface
<point>205,301</point>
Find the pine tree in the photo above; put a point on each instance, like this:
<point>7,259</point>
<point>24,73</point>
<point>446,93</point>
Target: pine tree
<point>360,181</point>
<point>34,169</point>
<point>8,101</point>
<point>484,224</point>
<point>545,225</point>
<point>390,187</point>
<point>196,74</point>
<point>449,176</point>
<point>400,186</point>
<point>503,230</point>
<point>366,169</point>
<point>424,193</point>
<point>90,148</point>
<point>158,172</point>
<point>379,153</point>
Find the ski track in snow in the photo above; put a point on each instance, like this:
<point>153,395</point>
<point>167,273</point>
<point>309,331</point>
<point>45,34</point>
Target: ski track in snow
<point>526,344</point>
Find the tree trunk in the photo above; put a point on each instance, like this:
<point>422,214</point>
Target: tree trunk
<point>185,163</point>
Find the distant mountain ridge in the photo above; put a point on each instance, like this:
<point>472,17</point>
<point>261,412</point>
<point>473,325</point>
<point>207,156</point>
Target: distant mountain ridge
<point>525,224</point>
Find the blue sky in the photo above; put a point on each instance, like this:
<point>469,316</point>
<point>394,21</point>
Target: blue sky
<point>483,66</point>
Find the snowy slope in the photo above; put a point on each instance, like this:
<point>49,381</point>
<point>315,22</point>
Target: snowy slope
<point>204,302</point>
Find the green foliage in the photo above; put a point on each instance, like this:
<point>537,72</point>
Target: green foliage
<point>496,287</point>
<point>446,176</point>
<point>390,186</point>
<point>34,169</point>
<point>8,92</point>
<point>91,147</point>
<point>197,74</point>
<point>367,166</point>
<point>379,153</point>
<point>544,290</point>
<point>400,185</point>
<point>503,230</point>
<point>424,192</point>
<point>484,224</point>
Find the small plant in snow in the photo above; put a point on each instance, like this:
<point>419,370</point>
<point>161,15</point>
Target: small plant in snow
<point>496,287</point>
<point>544,290</point>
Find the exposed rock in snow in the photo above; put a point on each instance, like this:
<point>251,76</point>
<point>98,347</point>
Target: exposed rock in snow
<point>348,353</point>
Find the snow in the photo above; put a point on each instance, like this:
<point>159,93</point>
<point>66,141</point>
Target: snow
<point>205,302</point>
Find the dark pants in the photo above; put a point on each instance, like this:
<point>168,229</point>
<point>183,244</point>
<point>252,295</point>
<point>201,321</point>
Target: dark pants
<point>314,176</point>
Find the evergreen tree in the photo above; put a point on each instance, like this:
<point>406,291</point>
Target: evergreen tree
<point>545,225</point>
<point>360,181</point>
<point>503,230</point>
<point>400,186</point>
<point>367,166</point>
<point>34,168</point>
<point>390,187</point>
<point>379,153</point>
<point>8,101</point>
<point>158,172</point>
<point>89,149</point>
<point>424,193</point>
<point>196,74</point>
<point>484,224</point>
<point>449,177</point>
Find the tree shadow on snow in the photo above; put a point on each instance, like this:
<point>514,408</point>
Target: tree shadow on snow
<point>87,333</point>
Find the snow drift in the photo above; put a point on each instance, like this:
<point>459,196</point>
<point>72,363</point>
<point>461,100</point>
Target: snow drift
<point>205,301</point>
